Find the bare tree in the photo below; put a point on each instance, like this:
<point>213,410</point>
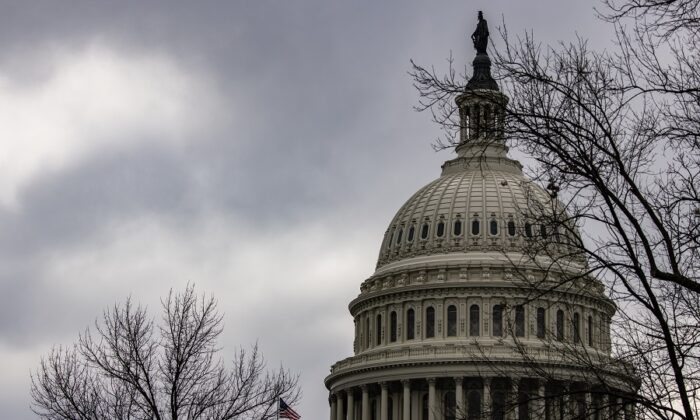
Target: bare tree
<point>130,367</point>
<point>614,137</point>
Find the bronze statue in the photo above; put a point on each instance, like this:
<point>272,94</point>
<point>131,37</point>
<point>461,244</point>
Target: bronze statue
<point>481,35</point>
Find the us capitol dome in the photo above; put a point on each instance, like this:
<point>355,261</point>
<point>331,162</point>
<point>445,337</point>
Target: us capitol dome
<point>459,320</point>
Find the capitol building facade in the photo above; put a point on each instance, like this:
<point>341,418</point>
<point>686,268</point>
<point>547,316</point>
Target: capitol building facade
<point>460,320</point>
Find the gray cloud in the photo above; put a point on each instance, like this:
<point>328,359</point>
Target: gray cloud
<point>285,190</point>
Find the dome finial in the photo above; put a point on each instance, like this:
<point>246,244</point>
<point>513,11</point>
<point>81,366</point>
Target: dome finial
<point>482,64</point>
<point>481,35</point>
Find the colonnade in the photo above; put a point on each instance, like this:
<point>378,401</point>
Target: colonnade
<point>496,398</point>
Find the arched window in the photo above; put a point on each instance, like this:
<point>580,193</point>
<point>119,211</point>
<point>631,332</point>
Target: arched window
<point>540,322</point>
<point>367,333</point>
<point>560,325</point>
<point>424,407</point>
<point>475,227</point>
<point>511,228</point>
<point>378,332</point>
<point>410,324</point>
<point>440,229</point>
<point>392,326</point>
<point>528,230</point>
<point>590,330</point>
<point>398,236</point>
<point>493,227</point>
<point>457,228</point>
<point>474,325</point>
<point>424,231</point>
<point>449,405</point>
<point>451,321</point>
<point>430,322</point>
<point>577,328</point>
<point>474,405</point>
<point>411,232</point>
<point>497,318</point>
<point>520,321</point>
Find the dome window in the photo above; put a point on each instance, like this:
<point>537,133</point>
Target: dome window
<point>528,230</point>
<point>392,326</point>
<point>511,228</point>
<point>560,325</point>
<point>474,325</point>
<point>410,324</point>
<point>411,233</point>
<point>540,322</point>
<point>476,227</point>
<point>424,231</point>
<point>520,321</point>
<point>398,236</point>
<point>493,227</point>
<point>497,320</point>
<point>457,228</point>
<point>430,322</point>
<point>367,334</point>
<point>378,331</point>
<point>440,229</point>
<point>577,328</point>
<point>451,321</point>
<point>590,330</point>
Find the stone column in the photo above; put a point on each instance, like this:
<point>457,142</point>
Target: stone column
<point>431,399</point>
<point>333,407</point>
<point>630,411</point>
<point>365,402</point>
<point>540,404</point>
<point>351,403</point>
<point>589,412</point>
<point>569,403</point>
<point>513,397</point>
<point>605,406</point>
<point>459,398</point>
<point>406,399</point>
<point>340,411</point>
<point>486,403</point>
<point>384,402</point>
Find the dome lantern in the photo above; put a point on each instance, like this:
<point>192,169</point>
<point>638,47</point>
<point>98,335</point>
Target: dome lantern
<point>481,106</point>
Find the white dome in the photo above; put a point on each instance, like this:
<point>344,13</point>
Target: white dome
<point>482,202</point>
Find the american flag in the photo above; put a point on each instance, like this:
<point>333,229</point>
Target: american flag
<point>286,411</point>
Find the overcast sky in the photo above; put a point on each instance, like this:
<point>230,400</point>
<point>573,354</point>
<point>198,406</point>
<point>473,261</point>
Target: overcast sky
<point>257,149</point>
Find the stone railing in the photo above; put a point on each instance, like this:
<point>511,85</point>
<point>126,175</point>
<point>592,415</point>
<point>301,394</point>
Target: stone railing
<point>479,353</point>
